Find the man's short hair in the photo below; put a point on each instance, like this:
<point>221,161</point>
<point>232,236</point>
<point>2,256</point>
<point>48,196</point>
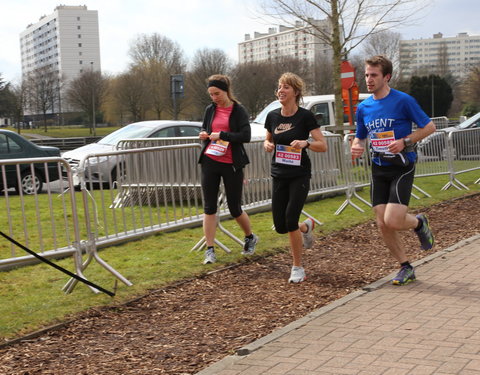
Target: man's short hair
<point>383,62</point>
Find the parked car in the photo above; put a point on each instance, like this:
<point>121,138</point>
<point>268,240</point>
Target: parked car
<point>106,169</point>
<point>322,106</point>
<point>14,146</point>
<point>435,144</point>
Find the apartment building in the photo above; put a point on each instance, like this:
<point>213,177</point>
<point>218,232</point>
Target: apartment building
<point>65,42</point>
<point>440,55</point>
<point>300,41</point>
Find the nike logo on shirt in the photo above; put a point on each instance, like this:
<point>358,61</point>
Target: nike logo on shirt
<point>282,128</point>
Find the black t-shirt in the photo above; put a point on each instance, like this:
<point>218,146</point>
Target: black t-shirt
<point>284,131</point>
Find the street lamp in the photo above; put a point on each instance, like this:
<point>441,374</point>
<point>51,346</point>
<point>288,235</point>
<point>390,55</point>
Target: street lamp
<point>93,102</point>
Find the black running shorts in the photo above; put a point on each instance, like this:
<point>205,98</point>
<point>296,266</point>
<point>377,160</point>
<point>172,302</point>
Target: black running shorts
<point>391,184</point>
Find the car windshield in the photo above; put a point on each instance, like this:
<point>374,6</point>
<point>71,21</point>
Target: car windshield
<point>262,116</point>
<point>470,123</point>
<point>127,132</point>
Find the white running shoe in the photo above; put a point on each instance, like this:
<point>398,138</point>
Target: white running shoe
<point>297,275</point>
<point>210,256</point>
<point>308,235</point>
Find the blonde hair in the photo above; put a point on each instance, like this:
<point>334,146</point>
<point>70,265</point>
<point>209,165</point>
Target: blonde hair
<point>227,81</point>
<point>296,82</point>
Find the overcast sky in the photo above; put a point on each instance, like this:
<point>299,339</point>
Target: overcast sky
<point>193,24</point>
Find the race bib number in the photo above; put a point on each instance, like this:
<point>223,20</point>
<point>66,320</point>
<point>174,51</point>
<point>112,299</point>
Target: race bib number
<point>217,148</point>
<point>381,140</point>
<point>288,155</point>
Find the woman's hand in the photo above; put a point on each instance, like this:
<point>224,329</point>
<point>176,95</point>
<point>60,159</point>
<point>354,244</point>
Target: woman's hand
<point>299,143</point>
<point>268,146</point>
<point>203,135</point>
<point>214,136</point>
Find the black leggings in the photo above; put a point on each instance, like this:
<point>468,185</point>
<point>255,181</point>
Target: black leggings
<point>288,198</point>
<point>212,172</point>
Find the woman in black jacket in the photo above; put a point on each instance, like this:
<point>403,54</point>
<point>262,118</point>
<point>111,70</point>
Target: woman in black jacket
<point>225,128</point>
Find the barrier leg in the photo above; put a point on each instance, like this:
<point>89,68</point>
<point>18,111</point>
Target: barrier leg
<point>421,191</point>
<point>351,193</point>
<point>318,222</point>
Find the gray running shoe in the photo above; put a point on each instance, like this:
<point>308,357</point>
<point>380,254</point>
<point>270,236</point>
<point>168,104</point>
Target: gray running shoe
<point>308,235</point>
<point>210,256</point>
<point>425,235</point>
<point>297,275</point>
<point>249,246</point>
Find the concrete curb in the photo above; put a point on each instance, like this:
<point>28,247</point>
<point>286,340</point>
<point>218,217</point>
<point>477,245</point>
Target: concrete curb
<point>229,360</point>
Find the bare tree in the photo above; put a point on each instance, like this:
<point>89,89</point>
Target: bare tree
<point>42,91</point>
<point>471,88</point>
<point>157,57</point>
<point>352,21</point>
<point>131,95</point>
<point>4,96</point>
<point>157,48</point>
<point>255,85</point>
<point>323,76</point>
<point>87,93</point>
<point>17,103</point>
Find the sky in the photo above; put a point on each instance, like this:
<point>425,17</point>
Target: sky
<point>193,24</point>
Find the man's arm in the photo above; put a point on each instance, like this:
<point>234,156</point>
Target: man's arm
<point>358,147</point>
<point>421,133</point>
<point>399,144</point>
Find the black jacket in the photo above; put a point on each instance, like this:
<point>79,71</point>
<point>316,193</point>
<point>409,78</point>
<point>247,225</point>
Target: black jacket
<point>239,133</point>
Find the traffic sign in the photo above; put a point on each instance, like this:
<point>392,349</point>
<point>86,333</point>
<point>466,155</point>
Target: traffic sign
<point>347,74</point>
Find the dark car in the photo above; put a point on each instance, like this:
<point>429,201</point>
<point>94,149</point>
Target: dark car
<point>14,146</point>
<point>463,145</point>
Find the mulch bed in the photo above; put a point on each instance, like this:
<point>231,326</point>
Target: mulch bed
<point>184,328</point>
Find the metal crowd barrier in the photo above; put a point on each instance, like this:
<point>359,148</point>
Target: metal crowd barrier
<point>441,122</point>
<point>46,223</point>
<point>442,153</point>
<point>156,187</point>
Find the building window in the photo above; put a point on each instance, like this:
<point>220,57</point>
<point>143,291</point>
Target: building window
<point>79,36</point>
<point>81,62</point>
<point>79,44</point>
<point>79,27</point>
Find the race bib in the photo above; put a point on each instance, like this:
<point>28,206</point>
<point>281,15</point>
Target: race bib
<point>288,155</point>
<point>217,148</point>
<point>381,140</point>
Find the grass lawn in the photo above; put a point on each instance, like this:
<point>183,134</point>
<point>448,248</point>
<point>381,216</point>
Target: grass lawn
<point>66,131</point>
<point>32,297</point>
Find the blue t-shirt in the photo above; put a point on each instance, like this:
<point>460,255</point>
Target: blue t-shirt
<point>391,116</point>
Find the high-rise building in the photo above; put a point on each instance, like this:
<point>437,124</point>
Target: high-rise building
<point>440,55</point>
<point>300,41</point>
<point>65,42</point>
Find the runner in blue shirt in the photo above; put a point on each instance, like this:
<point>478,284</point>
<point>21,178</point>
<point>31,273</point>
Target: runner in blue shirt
<point>386,118</point>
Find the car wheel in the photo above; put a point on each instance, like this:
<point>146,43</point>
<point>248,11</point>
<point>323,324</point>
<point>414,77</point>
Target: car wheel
<point>30,183</point>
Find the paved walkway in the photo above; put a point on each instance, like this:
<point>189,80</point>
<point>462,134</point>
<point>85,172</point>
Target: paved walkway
<point>431,326</point>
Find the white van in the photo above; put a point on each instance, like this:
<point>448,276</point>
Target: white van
<point>322,106</point>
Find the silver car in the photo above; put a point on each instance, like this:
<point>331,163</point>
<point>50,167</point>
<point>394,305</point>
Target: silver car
<point>105,169</point>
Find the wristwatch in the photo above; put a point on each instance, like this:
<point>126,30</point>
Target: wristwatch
<point>308,144</point>
<point>407,141</point>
